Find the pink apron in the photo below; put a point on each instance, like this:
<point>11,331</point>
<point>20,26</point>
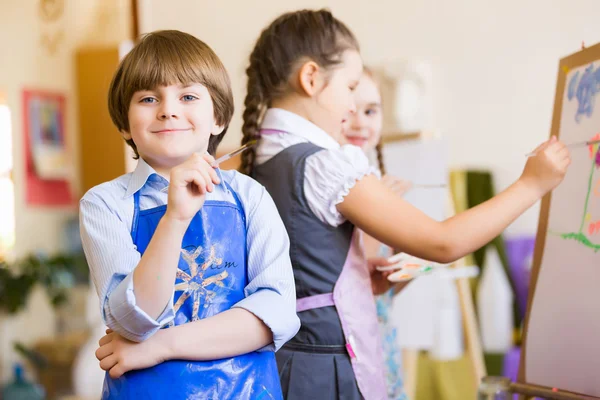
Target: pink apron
<point>353,298</point>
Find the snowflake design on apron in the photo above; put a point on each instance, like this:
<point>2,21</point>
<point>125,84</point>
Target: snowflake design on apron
<point>194,284</point>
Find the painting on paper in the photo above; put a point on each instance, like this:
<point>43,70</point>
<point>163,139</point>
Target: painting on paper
<point>46,153</point>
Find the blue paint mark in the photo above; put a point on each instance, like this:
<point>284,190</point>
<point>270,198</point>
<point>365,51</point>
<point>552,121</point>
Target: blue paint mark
<point>584,90</point>
<point>264,393</point>
<point>572,88</point>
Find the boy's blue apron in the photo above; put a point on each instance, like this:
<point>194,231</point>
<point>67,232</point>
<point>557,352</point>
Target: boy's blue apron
<point>211,278</point>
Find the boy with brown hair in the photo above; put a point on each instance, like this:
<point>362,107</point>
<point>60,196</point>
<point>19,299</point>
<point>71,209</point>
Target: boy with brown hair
<point>210,258</point>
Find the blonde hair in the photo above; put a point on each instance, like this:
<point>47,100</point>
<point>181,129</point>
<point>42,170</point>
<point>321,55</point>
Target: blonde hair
<point>379,146</point>
<point>166,58</point>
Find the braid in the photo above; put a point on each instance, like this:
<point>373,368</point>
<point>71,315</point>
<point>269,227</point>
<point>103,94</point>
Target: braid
<point>379,150</point>
<point>254,109</point>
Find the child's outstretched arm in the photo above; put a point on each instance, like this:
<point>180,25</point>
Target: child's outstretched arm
<point>264,320</point>
<point>117,267</point>
<point>396,223</point>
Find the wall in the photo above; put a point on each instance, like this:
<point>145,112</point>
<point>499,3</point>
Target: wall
<point>26,63</point>
<point>494,63</point>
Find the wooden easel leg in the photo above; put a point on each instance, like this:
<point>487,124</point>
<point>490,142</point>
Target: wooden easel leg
<point>471,328</point>
<point>472,339</point>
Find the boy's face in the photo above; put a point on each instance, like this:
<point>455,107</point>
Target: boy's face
<point>169,123</point>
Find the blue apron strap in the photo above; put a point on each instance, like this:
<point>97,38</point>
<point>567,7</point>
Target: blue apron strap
<point>136,213</point>
<point>241,207</point>
<point>237,200</point>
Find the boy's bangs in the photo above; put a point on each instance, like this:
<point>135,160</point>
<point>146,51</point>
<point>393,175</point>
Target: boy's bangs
<point>165,66</point>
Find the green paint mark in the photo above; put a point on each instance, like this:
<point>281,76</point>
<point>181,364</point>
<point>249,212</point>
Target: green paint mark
<point>580,236</point>
<point>587,197</point>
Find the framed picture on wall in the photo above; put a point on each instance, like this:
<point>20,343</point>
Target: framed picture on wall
<point>46,152</point>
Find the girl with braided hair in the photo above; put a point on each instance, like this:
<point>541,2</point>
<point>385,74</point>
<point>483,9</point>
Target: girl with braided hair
<point>302,74</point>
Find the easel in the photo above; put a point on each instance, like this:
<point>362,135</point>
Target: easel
<point>527,390</point>
<point>470,326</point>
<point>530,391</point>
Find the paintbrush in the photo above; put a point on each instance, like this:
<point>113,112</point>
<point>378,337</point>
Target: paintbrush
<point>234,153</point>
<point>571,145</point>
<point>225,157</point>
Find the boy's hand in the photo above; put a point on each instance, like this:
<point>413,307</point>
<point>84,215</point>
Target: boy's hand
<point>189,183</point>
<point>544,171</point>
<point>118,355</point>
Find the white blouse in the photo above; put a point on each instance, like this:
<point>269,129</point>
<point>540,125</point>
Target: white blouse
<point>329,174</point>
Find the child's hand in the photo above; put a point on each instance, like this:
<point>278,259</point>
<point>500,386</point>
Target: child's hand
<point>189,183</point>
<point>548,167</point>
<point>397,186</point>
<point>379,281</point>
<point>118,355</point>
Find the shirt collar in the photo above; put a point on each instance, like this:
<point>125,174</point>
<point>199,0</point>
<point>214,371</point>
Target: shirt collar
<point>283,120</point>
<point>143,172</point>
<point>140,176</point>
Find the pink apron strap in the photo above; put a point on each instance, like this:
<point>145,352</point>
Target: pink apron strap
<point>316,301</point>
<point>356,307</point>
<point>269,131</point>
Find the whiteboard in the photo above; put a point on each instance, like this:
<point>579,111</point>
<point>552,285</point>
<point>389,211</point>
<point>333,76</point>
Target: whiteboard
<point>562,344</point>
<point>416,308</point>
<point>425,162</point>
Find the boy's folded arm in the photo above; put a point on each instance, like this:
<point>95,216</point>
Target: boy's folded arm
<point>228,334</point>
<point>261,322</point>
<point>124,316</point>
<point>276,313</point>
<point>112,257</point>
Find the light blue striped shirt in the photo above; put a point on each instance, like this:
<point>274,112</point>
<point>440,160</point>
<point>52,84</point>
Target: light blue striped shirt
<point>106,214</point>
